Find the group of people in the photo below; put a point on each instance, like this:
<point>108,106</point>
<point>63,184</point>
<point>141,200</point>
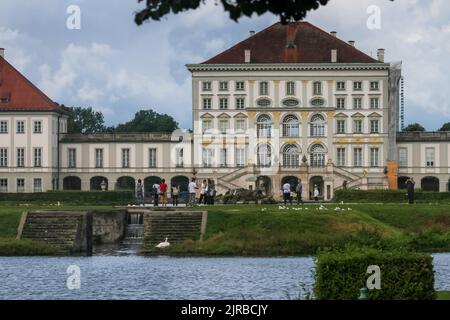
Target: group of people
<point>207,192</point>
<point>288,194</point>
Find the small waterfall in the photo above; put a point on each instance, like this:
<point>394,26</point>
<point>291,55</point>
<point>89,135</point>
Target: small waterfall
<point>135,227</point>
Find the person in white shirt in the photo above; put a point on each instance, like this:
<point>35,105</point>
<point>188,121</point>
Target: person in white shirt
<point>192,187</point>
<point>316,193</point>
<point>156,192</point>
<point>287,193</point>
<point>202,198</point>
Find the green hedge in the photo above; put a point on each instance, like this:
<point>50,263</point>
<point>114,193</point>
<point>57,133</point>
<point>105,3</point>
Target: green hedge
<point>404,275</point>
<point>73,197</point>
<point>351,195</point>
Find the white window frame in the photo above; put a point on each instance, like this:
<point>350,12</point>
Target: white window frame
<point>290,88</point>
<point>374,157</point>
<point>240,85</point>
<point>206,86</point>
<point>207,103</point>
<point>402,157</point>
<point>223,103</point>
<point>340,103</point>
<point>341,126</point>
<point>3,185</point>
<point>99,157</point>
<point>125,157</point>
<point>357,157</point>
<point>20,185</point>
<point>71,157</point>
<point>357,86</point>
<point>37,185</point>
<point>3,157</point>
<point>4,126</point>
<point>152,157</point>
<point>374,126</point>
<point>20,126</point>
<point>358,126</point>
<point>20,157</point>
<point>223,85</point>
<point>37,126</point>
<point>340,157</point>
<point>264,88</point>
<point>240,103</point>
<point>430,157</point>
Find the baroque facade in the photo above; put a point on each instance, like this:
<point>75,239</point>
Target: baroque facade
<point>290,102</point>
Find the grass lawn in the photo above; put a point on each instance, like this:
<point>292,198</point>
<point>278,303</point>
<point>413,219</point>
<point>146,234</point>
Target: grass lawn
<point>443,295</point>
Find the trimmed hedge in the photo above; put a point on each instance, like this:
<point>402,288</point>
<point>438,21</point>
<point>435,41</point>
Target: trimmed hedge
<point>352,195</point>
<point>73,197</point>
<point>404,275</point>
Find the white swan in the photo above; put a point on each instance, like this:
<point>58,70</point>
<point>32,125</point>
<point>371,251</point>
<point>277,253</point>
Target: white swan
<point>163,244</point>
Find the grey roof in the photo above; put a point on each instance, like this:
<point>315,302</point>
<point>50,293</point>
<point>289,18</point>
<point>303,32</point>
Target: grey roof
<point>118,137</point>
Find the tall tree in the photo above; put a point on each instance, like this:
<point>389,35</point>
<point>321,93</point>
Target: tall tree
<point>85,120</point>
<point>148,121</point>
<point>414,127</point>
<point>445,127</point>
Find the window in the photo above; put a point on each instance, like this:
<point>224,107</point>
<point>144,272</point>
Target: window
<point>357,126</point>
<point>263,88</point>
<point>125,158</point>
<point>340,126</point>
<point>263,103</point>
<point>340,85</point>
<point>357,157</point>
<point>3,126</point>
<point>99,158</point>
<point>240,103</point>
<point>374,126</point>
<point>240,157</point>
<point>374,155</point>
<point>207,86</point>
<point>374,103</point>
<point>374,85</point>
<point>240,85</point>
<point>340,103</point>
<point>179,157</point>
<point>206,125</point>
<point>4,100</point>
<point>223,86</point>
<point>20,157</point>
<point>72,158</point>
<point>317,102</point>
<point>429,154</point>
<point>340,156</point>
<point>20,185</point>
<point>264,126</point>
<point>223,157</point>
<point>223,103</point>
<point>152,158</point>
<point>3,185</point>
<point>3,157</point>
<point>290,103</point>
<point>37,185</point>
<point>241,125</point>
<point>37,159</point>
<point>317,157</point>
<point>357,85</point>
<point>37,126</point>
<point>317,126</point>
<point>21,126</point>
<point>264,155</point>
<point>402,157</point>
<point>207,103</point>
<point>207,156</point>
<point>317,88</point>
<point>357,103</point>
<point>290,88</point>
<point>291,126</point>
<point>291,156</point>
<point>224,125</point>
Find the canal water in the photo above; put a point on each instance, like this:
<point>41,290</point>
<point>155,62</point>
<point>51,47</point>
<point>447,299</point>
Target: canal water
<point>136,277</point>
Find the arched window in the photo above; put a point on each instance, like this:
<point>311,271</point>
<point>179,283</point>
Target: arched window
<point>290,126</point>
<point>291,156</point>
<point>264,126</point>
<point>264,155</point>
<point>317,157</point>
<point>317,126</point>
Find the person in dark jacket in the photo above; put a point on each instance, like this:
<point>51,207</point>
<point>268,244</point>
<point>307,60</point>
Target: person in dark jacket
<point>410,187</point>
<point>298,191</point>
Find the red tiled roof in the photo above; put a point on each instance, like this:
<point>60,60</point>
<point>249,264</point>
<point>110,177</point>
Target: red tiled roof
<point>296,42</point>
<point>20,93</point>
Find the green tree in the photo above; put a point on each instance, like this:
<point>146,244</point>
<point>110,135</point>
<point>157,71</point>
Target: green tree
<point>445,127</point>
<point>85,120</point>
<point>414,127</point>
<point>287,10</point>
<point>148,121</point>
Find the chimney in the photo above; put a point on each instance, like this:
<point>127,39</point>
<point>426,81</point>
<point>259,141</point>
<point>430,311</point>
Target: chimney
<point>247,56</point>
<point>334,55</point>
<point>2,53</point>
<point>380,55</point>
<point>352,43</point>
<point>252,33</point>
<point>333,33</point>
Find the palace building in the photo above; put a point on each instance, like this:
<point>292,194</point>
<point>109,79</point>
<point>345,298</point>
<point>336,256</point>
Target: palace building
<point>290,102</point>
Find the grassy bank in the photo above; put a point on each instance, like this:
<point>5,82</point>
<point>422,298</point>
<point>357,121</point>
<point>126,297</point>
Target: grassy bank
<point>443,295</point>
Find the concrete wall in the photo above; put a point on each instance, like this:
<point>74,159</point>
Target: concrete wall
<point>108,226</point>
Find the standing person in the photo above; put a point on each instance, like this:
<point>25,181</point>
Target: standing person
<point>140,193</point>
<point>174,195</point>
<point>202,193</point>
<point>156,192</point>
<point>163,191</point>
<point>192,187</point>
<point>211,191</point>
<point>316,193</point>
<point>298,191</point>
<point>410,187</point>
<point>287,193</point>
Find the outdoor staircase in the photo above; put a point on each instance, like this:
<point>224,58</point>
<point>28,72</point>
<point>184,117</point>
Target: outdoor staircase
<point>353,180</point>
<point>226,181</point>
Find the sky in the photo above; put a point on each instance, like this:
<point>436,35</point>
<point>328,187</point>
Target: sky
<point>118,68</point>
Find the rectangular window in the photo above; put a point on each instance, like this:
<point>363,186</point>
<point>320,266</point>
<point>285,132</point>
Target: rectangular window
<point>402,157</point>
<point>20,185</point>
<point>429,153</point>
<point>340,85</point>
<point>206,125</point>
<point>357,85</point>
<point>340,103</point>
<point>3,185</point>
<point>357,157</point>
<point>206,85</point>
<point>99,158</point>
<point>340,156</point>
<point>374,103</point>
<point>241,125</point>
<point>37,126</point>
<point>290,88</point>
<point>152,158</point>
<point>240,103</point>
<point>179,157</point>
<point>374,156</point>
<point>223,126</point>
<point>21,157</point>
<point>20,126</point>
<point>207,103</point>
<point>72,158</point>
<point>263,88</point>
<point>357,103</point>
<point>125,158</point>
<point>223,103</point>
<point>357,126</point>
<point>374,126</point>
<point>317,88</point>
<point>240,85</point>
<point>3,157</point>
<point>207,157</point>
<point>223,86</point>
<point>37,157</point>
<point>3,126</point>
<point>374,85</point>
<point>240,157</point>
<point>223,157</point>
<point>37,185</point>
<point>340,126</point>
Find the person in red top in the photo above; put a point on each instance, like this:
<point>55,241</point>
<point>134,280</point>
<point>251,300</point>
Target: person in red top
<point>163,189</point>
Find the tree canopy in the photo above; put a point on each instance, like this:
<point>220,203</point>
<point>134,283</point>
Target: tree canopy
<point>445,127</point>
<point>148,121</point>
<point>85,120</point>
<point>414,127</point>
